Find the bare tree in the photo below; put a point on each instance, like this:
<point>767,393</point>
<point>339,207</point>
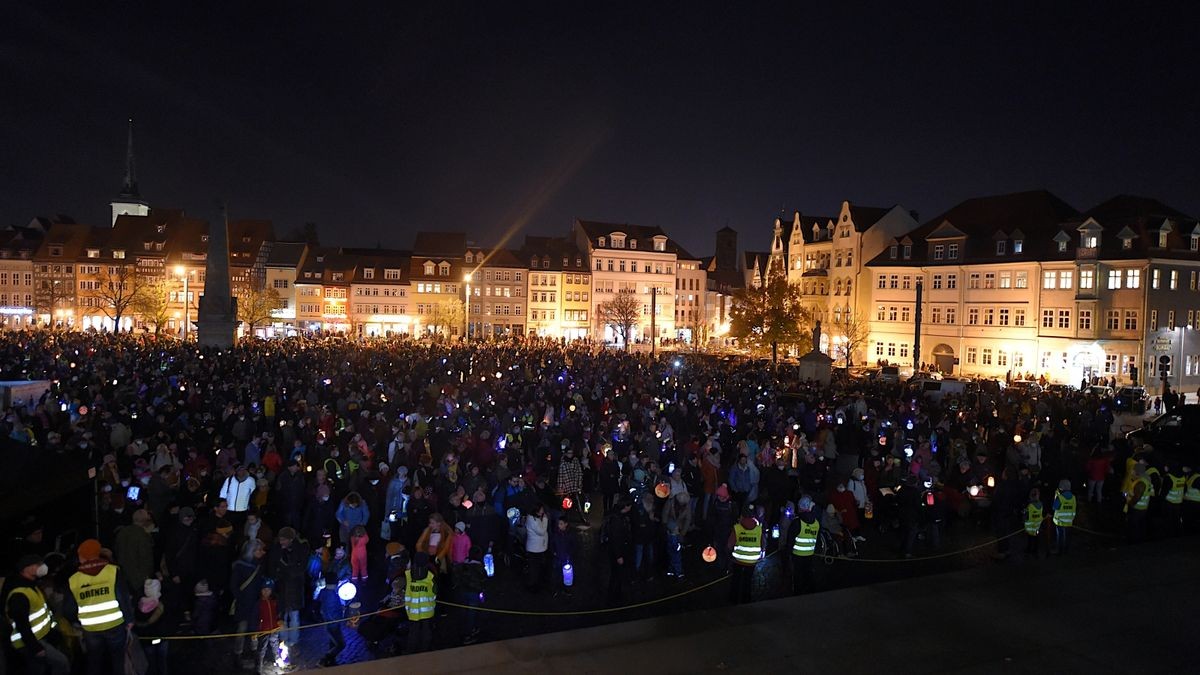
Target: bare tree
<point>621,313</point>
<point>153,304</point>
<point>120,288</point>
<point>854,330</point>
<point>255,305</point>
<point>54,294</point>
<point>446,316</point>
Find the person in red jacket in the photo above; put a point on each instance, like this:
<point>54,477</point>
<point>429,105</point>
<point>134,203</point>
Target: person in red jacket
<point>1098,467</point>
<point>843,500</point>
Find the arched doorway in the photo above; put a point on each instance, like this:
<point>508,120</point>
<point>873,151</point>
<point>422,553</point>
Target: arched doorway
<point>943,358</point>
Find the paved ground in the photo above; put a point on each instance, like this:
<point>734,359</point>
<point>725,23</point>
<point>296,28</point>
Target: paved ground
<point>1120,610</point>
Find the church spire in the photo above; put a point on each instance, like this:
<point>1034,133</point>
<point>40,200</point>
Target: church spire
<point>130,189</point>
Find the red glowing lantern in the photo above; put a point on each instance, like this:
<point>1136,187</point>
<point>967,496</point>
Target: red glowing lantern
<point>662,490</point>
<point>709,554</point>
<point>567,503</point>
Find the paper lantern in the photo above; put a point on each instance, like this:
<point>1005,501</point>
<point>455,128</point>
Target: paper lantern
<point>991,481</point>
<point>346,591</point>
<point>1016,438</point>
<point>567,503</point>
<point>568,574</point>
<point>709,554</point>
<point>662,490</point>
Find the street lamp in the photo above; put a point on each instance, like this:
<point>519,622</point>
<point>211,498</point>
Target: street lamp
<point>181,271</point>
<point>467,309</point>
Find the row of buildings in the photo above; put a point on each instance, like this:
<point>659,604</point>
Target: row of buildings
<point>1008,285</point>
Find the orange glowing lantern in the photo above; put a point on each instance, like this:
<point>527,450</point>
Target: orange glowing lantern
<point>662,490</point>
<point>709,554</point>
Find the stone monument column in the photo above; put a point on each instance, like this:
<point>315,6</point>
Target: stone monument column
<point>217,321</point>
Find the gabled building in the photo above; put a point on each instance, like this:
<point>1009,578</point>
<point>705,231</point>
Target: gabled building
<point>279,272</point>
<point>54,276</point>
<point>18,245</point>
<point>631,259</point>
<point>560,288</point>
<point>436,278</point>
<point>496,288</point>
<point>323,290</point>
<point>379,292</point>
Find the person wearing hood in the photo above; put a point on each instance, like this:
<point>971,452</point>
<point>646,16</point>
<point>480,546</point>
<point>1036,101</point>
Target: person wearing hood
<point>289,494</point>
<point>802,535</point>
<point>152,620</point>
<point>30,618</point>
<point>746,542</point>
<point>99,603</point>
<point>320,518</point>
<point>420,603</point>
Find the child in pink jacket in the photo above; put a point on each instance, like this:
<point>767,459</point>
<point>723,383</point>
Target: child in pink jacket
<point>460,543</point>
<point>358,553</point>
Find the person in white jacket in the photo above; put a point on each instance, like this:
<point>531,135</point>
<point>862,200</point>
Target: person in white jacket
<point>237,489</point>
<point>537,540</point>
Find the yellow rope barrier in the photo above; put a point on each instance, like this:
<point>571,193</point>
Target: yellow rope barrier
<point>603,610</point>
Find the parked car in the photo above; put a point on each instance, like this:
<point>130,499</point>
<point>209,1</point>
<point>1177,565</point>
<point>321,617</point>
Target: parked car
<point>1131,399</point>
<point>1100,391</point>
<point>1025,387</point>
<point>1059,389</point>
<point>1172,435</point>
<point>889,374</point>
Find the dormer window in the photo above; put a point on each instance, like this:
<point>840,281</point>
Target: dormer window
<point>470,258</point>
<point>428,268</point>
<point>245,240</point>
<point>618,241</point>
<point>369,273</point>
<point>95,252</point>
<point>660,244</point>
<point>161,228</point>
<point>952,252</point>
<point>1126,243</point>
<point>907,251</point>
<point>56,251</point>
<point>320,258</point>
<point>1062,246</point>
<point>892,251</point>
<point>632,244</point>
<point>1018,246</point>
<point>119,254</point>
<point>1162,239</point>
<point>579,261</point>
<point>1001,247</point>
<point>1195,246</point>
<point>444,269</point>
<point>1089,240</point>
<point>600,242</point>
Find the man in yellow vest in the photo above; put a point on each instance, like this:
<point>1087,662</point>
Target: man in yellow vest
<point>99,604</point>
<point>746,540</point>
<point>1191,500</point>
<point>802,535</point>
<point>1175,483</point>
<point>1034,514</point>
<point>420,603</point>
<point>1137,504</point>
<point>1064,515</point>
<point>30,619</point>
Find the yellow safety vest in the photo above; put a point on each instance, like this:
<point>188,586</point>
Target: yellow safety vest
<point>419,597</point>
<point>1175,492</point>
<point>805,543</point>
<point>747,549</point>
<point>1143,502</point>
<point>1033,519</point>
<point>1151,474</point>
<point>96,596</point>
<point>1192,494</point>
<point>41,620</point>
<point>1065,515</point>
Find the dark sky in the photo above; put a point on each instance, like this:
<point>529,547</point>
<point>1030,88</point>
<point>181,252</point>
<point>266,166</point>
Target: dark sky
<point>486,115</point>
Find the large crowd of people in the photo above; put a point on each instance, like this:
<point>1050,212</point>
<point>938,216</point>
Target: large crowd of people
<point>257,489</point>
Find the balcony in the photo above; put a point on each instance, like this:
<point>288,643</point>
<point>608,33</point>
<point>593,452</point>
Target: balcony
<point>1087,253</point>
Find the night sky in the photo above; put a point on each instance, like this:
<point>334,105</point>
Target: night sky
<point>489,114</point>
